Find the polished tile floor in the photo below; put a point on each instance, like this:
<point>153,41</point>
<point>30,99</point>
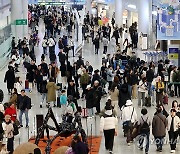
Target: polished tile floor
<point>120,145</point>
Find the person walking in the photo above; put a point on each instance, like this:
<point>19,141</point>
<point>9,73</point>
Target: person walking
<point>173,127</point>
<point>84,80</point>
<point>8,133</point>
<point>150,77</point>
<point>96,44</point>
<point>144,123</point>
<point>10,79</point>
<point>110,76</point>
<point>129,117</point>
<point>51,92</point>
<point>159,125</point>
<point>159,90</point>
<point>89,101</point>
<point>142,88</point>
<point>63,101</point>
<point>105,44</point>
<point>11,110</point>
<point>108,125</point>
<point>23,105</point>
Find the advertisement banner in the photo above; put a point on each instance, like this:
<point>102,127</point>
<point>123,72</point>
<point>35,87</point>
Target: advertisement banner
<point>168,20</point>
<point>174,55</point>
<point>32,1</point>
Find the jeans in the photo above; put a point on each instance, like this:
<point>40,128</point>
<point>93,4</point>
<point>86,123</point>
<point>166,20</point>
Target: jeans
<point>44,97</point>
<point>130,90</point>
<point>26,116</point>
<point>45,50</point>
<point>105,50</point>
<point>149,88</point>
<point>159,142</point>
<point>110,85</point>
<point>177,89</point>
<point>141,141</point>
<point>96,50</point>
<point>141,96</point>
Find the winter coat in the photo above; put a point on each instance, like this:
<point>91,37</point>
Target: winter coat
<point>123,95</point>
<point>159,125</point>
<point>51,94</point>
<point>8,129</point>
<point>12,112</point>
<point>89,99</point>
<point>114,95</point>
<point>10,79</point>
<point>110,75</point>
<point>127,112</point>
<point>84,79</point>
<point>150,75</point>
<point>23,102</point>
<point>176,123</point>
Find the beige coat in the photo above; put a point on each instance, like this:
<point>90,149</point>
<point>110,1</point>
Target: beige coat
<point>114,95</point>
<point>51,94</point>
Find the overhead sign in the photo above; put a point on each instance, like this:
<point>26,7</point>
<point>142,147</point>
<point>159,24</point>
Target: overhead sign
<point>168,20</point>
<point>21,22</point>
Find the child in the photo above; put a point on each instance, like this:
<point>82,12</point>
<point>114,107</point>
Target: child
<point>63,101</point>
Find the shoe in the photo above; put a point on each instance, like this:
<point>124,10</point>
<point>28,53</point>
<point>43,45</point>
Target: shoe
<point>40,106</point>
<point>96,113</point>
<point>129,144</point>
<point>54,105</point>
<point>27,126</point>
<point>172,151</point>
<point>110,152</point>
<point>20,126</point>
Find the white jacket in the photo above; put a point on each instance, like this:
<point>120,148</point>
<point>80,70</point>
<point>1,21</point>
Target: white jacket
<point>176,122</point>
<point>108,123</point>
<point>127,112</point>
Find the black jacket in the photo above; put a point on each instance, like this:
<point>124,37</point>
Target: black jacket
<point>23,102</point>
<point>150,75</point>
<point>89,99</point>
<point>123,95</point>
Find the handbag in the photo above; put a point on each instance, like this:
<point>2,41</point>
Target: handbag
<point>128,124</point>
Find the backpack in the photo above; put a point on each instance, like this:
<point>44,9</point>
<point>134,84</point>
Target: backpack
<point>16,130</point>
<point>144,129</point>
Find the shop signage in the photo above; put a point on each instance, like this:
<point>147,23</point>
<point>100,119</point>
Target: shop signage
<point>21,22</point>
<point>174,55</point>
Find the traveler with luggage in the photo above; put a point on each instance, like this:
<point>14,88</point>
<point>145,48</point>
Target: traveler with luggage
<point>144,123</point>
<point>129,117</point>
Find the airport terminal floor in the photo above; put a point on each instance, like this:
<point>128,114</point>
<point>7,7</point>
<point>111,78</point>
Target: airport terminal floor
<point>129,84</point>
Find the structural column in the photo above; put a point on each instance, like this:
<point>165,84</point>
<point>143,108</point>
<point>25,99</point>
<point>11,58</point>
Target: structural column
<point>89,6</point>
<point>25,16</point>
<point>16,13</point>
<point>143,16</point>
<point>129,19</point>
<point>118,12</point>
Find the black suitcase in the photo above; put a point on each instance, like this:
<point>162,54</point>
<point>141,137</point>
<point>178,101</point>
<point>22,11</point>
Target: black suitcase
<point>148,101</point>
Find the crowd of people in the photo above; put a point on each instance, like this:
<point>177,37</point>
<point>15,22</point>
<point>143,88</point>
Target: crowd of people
<point>122,77</point>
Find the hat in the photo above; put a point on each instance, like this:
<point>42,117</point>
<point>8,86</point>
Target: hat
<point>128,103</point>
<point>88,86</point>
<point>96,81</point>
<point>7,117</point>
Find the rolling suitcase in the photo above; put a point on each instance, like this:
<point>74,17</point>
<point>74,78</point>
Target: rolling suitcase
<point>148,101</point>
<point>165,99</point>
<point>84,113</point>
<point>26,84</point>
